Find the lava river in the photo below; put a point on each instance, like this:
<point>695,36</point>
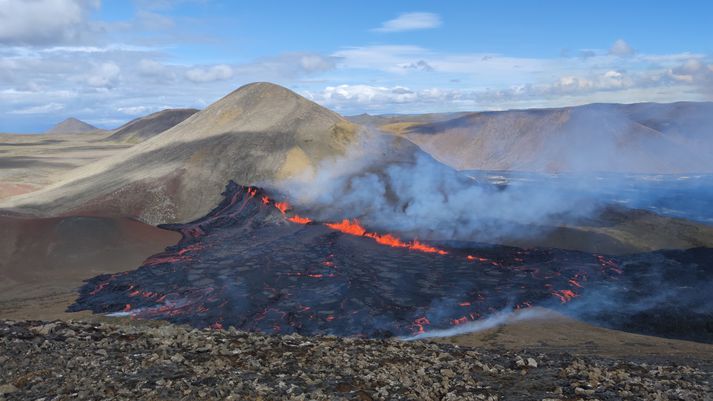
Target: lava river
<point>253,264</point>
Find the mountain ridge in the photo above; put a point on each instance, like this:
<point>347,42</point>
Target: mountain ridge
<point>259,132</point>
<point>598,137</point>
<point>142,128</point>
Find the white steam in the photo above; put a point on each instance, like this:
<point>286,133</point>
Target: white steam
<point>403,189</point>
<point>503,317</point>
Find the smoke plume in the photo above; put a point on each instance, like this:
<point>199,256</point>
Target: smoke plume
<point>417,195</point>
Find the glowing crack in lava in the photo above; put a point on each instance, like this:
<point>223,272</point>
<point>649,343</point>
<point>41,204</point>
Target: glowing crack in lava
<point>254,264</point>
<point>355,228</point>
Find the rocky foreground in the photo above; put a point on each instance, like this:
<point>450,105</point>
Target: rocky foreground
<point>82,360</point>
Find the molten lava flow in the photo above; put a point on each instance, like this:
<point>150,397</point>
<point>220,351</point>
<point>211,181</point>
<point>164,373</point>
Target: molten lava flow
<point>426,248</point>
<point>564,295</point>
<point>460,320</point>
<point>299,219</point>
<point>609,264</point>
<point>247,265</point>
<point>189,248</point>
<point>575,283</point>
<point>387,239</point>
<point>355,228</point>
<point>420,324</point>
<point>482,260</point>
<point>348,227</point>
<point>282,206</point>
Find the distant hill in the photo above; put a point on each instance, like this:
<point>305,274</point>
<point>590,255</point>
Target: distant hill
<point>71,126</point>
<point>259,132</point>
<point>143,128</point>
<point>635,138</point>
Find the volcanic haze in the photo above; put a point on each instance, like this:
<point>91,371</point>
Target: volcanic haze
<point>634,138</point>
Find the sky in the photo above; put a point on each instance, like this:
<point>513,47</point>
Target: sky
<point>107,62</point>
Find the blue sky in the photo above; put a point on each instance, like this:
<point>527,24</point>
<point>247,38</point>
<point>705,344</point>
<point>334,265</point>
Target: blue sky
<point>110,61</point>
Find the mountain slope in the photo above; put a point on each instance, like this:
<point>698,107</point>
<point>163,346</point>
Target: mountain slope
<point>142,128</point>
<point>71,126</point>
<point>637,138</point>
<point>257,133</point>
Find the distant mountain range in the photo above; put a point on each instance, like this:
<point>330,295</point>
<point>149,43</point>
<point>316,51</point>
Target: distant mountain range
<point>171,166</point>
<point>263,132</point>
<point>257,133</point>
<point>635,138</point>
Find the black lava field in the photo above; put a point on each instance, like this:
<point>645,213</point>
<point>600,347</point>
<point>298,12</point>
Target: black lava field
<point>253,264</point>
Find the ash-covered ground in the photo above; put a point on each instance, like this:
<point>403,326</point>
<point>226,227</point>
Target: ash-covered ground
<point>253,264</point>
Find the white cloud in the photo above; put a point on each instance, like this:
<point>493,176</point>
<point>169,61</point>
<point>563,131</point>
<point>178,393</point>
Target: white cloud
<point>606,85</point>
<point>351,98</point>
<point>694,71</point>
<point>105,75</point>
<point>40,22</point>
<point>410,22</point>
<point>151,68</point>
<point>621,48</point>
<point>40,109</point>
<point>219,72</point>
<point>401,59</point>
<point>134,110</point>
<point>286,66</point>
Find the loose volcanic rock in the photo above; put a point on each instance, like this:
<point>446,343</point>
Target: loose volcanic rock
<point>81,360</point>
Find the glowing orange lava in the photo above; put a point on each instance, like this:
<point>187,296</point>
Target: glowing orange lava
<point>348,227</point>
<point>387,239</point>
<point>426,248</point>
<point>282,206</point>
<point>460,320</point>
<point>564,295</point>
<point>299,219</point>
<point>420,323</point>
<point>355,228</point>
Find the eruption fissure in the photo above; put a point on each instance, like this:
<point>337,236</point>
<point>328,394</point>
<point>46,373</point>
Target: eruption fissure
<point>352,227</point>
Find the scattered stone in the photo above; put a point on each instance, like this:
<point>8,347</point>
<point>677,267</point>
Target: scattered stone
<point>7,389</point>
<point>134,362</point>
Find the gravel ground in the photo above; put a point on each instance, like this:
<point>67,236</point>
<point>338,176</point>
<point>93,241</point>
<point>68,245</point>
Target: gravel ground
<point>83,360</point>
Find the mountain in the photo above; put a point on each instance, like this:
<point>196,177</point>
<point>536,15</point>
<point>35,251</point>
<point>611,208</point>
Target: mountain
<point>142,128</point>
<point>260,132</point>
<point>636,138</point>
<point>71,126</point>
